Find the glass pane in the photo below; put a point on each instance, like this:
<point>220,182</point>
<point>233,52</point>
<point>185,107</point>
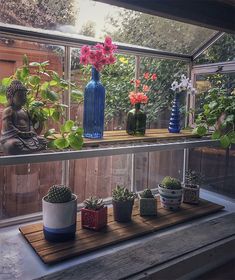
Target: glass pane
<point>86,17</point>
<point>221,50</point>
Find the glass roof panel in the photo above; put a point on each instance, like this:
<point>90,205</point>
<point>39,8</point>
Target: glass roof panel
<point>94,19</point>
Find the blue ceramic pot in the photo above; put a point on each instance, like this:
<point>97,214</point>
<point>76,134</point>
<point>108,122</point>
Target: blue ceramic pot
<point>174,124</point>
<point>94,104</point>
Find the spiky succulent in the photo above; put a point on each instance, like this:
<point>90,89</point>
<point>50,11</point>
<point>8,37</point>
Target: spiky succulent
<point>193,178</point>
<point>122,194</point>
<point>171,183</point>
<point>59,194</point>
<point>147,193</point>
<point>93,203</point>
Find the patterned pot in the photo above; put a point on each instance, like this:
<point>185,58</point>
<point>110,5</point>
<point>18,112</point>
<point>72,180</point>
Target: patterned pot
<point>191,194</point>
<point>170,199</point>
<point>147,206</point>
<point>95,220</point>
<point>59,220</point>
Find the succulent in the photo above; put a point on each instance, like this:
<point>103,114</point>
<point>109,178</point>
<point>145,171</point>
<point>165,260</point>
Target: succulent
<point>93,203</point>
<point>193,178</point>
<point>122,194</point>
<point>171,183</point>
<point>147,193</point>
<point>59,194</point>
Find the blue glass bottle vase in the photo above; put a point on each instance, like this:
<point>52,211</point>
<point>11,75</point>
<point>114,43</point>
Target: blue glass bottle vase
<point>94,105</point>
<point>174,124</point>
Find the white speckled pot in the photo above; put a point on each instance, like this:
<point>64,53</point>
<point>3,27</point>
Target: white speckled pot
<point>191,195</point>
<point>170,199</point>
<point>59,220</point>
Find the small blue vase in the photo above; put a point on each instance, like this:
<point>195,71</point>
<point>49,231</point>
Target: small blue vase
<point>174,124</point>
<point>94,104</point>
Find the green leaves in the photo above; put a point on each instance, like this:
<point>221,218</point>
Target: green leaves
<point>6,81</point>
<point>225,141</point>
<point>34,80</point>
<point>61,143</point>
<point>200,130</point>
<point>215,135</point>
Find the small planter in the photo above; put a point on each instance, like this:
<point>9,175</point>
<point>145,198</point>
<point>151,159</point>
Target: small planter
<point>122,210</point>
<point>59,220</point>
<point>170,199</point>
<point>191,194</point>
<point>94,219</point>
<point>147,206</point>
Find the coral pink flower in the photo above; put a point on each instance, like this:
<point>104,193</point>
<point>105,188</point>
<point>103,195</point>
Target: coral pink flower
<point>146,75</point>
<point>137,83</point>
<point>138,97</point>
<point>85,50</point>
<point>145,88</point>
<point>154,77</point>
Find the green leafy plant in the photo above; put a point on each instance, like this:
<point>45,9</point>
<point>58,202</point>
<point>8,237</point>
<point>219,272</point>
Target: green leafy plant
<point>219,115</point>
<point>93,203</point>
<point>171,183</point>
<point>193,178</point>
<point>147,193</point>
<point>70,136</point>
<point>59,194</point>
<point>123,194</point>
<point>45,90</point>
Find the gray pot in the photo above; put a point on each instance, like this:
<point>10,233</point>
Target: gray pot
<point>147,206</point>
<point>190,194</point>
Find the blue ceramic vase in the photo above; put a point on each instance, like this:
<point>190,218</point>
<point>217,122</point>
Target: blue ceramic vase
<point>94,104</point>
<point>174,124</point>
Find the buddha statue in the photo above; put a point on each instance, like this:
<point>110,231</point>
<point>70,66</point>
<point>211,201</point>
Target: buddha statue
<point>18,135</point>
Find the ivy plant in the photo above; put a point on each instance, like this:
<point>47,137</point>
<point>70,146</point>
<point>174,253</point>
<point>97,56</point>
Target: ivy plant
<point>218,115</point>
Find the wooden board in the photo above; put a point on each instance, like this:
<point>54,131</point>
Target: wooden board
<point>120,136</point>
<point>87,240</point>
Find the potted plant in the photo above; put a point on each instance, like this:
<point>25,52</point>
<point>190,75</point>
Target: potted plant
<point>170,191</point>
<point>45,90</point>
<point>59,209</point>
<point>94,214</point>
<point>147,203</point>
<point>123,201</point>
<point>218,114</point>
<point>191,188</point>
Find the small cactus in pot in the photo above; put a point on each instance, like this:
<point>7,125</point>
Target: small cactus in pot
<point>147,203</point>
<point>94,214</point>
<point>59,208</point>
<point>191,187</point>
<point>170,191</point>
<point>123,201</point>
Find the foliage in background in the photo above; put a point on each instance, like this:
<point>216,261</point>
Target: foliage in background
<point>218,114</point>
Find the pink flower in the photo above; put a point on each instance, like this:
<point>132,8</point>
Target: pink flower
<point>108,40</point>
<point>98,66</point>
<point>99,54</point>
<point>146,75</point>
<point>92,57</point>
<point>154,77</point>
<point>85,50</point>
<point>99,46</point>
<point>137,83</point>
<point>111,59</point>
<point>84,60</point>
<point>107,49</point>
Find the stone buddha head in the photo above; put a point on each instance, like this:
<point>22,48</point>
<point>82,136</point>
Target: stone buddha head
<point>16,94</point>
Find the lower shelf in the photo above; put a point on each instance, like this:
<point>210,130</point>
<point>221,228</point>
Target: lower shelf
<point>87,240</point>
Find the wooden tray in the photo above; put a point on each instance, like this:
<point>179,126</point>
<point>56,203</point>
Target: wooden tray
<point>87,240</point>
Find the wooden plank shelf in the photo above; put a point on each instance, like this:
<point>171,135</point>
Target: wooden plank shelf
<point>88,241</point>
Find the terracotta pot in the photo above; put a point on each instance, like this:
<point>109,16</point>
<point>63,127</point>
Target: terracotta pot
<point>191,194</point>
<point>94,219</point>
<point>122,210</point>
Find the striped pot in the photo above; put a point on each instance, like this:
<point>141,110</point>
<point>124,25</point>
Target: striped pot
<point>170,199</point>
<point>59,220</point>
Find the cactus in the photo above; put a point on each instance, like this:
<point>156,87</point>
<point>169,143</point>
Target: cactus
<point>171,183</point>
<point>122,194</point>
<point>59,194</point>
<point>93,203</point>
<point>147,193</point>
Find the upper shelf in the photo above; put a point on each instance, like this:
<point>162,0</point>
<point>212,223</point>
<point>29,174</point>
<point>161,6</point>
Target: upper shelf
<point>117,143</point>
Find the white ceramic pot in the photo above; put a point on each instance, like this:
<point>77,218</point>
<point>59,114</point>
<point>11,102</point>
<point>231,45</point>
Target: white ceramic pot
<point>170,199</point>
<point>59,220</point>
<point>191,195</point>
